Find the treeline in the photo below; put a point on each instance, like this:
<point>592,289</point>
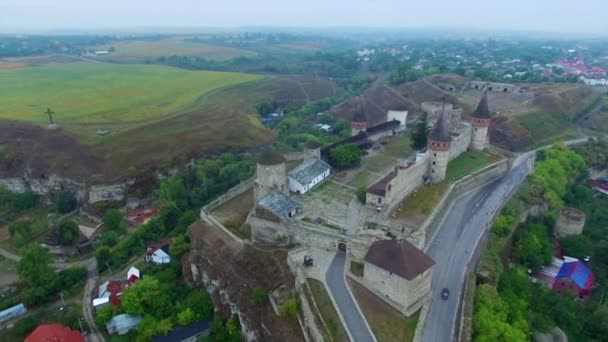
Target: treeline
<point>508,305</point>
<point>182,196</point>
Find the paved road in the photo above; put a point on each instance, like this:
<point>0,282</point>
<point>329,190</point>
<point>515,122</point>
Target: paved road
<point>346,304</point>
<point>457,237</point>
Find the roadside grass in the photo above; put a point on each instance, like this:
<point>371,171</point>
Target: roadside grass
<point>105,93</point>
<point>139,51</point>
<point>327,310</point>
<point>414,209</point>
<point>233,213</point>
<point>546,128</point>
<point>387,324</point>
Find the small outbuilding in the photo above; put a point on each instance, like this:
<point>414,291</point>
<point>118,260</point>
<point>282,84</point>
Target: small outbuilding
<point>307,175</point>
<point>158,253</point>
<point>122,324</point>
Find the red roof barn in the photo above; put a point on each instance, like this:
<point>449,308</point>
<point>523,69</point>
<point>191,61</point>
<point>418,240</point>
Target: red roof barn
<point>54,333</point>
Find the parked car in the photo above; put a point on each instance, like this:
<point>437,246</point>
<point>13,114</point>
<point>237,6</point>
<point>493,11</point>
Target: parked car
<point>445,293</point>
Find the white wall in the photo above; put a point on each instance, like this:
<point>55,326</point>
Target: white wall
<point>400,115</point>
<point>408,295</point>
<point>295,186</point>
<point>461,142</point>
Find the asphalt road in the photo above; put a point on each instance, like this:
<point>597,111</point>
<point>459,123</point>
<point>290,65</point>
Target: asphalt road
<point>451,248</point>
<point>346,304</point>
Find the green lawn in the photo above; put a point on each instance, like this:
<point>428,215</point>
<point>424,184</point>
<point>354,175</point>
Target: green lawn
<point>387,324</point>
<point>417,206</point>
<point>105,93</point>
<point>137,50</point>
<point>327,310</point>
<point>546,128</point>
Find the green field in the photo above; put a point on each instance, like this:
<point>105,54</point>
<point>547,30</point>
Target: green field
<point>139,50</point>
<point>105,93</point>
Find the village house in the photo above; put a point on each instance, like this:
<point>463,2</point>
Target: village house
<point>188,333</point>
<point>54,332</point>
<point>307,175</point>
<point>567,275</point>
<point>158,253</point>
<point>133,275</point>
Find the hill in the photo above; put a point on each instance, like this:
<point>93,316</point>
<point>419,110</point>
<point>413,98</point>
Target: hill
<point>155,116</point>
<point>373,104</point>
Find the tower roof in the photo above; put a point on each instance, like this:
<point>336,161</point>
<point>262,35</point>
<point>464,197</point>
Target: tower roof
<point>440,131</point>
<point>270,156</point>
<point>482,111</point>
<point>399,257</point>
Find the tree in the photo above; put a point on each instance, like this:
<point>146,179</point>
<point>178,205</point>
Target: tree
<point>421,133</point>
<point>173,191</point>
<point>259,296</point>
<point>35,267</point>
<point>68,232</point>
<point>233,327</point>
<point>146,297</point>
<point>218,331</point>
<point>104,256</point>
<point>199,302</point>
<point>533,248</point>
<point>113,220</point>
<point>21,232</point>
<point>179,246</point>
<point>66,202</point>
<point>186,317</point>
<point>109,238</point>
<point>345,156</point>
<point>578,246</point>
<point>597,324</point>
<point>361,194</point>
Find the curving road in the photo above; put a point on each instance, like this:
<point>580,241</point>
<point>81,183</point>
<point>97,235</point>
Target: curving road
<point>458,235</point>
<point>336,283</point>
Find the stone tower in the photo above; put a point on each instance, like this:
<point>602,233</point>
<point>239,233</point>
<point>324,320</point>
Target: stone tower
<point>439,143</point>
<point>481,122</point>
<point>271,174</point>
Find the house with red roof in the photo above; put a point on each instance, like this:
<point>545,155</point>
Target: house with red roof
<point>568,275</point>
<point>54,332</point>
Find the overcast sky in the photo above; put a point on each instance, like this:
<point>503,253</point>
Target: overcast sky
<point>573,16</point>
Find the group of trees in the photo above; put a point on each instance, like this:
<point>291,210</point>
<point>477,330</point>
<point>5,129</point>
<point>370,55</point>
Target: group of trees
<point>162,302</point>
<point>514,307</point>
<point>42,283</point>
<point>181,197</point>
<point>12,204</point>
<point>345,156</point>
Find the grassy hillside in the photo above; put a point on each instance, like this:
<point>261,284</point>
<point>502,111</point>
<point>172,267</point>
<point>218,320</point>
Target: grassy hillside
<point>105,93</point>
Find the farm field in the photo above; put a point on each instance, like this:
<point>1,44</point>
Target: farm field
<point>105,93</point>
<point>138,50</point>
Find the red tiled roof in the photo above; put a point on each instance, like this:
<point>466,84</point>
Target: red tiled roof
<point>153,247</point>
<point>379,188</point>
<point>399,257</point>
<point>54,333</point>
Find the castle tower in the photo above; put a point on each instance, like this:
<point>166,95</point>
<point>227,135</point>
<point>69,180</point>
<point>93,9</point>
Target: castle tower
<point>271,174</point>
<point>481,122</point>
<point>439,143</point>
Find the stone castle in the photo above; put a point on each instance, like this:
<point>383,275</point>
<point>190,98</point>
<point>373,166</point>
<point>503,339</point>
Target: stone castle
<point>444,145</point>
<point>396,270</point>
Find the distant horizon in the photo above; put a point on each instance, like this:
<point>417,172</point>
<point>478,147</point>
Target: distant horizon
<point>463,32</point>
<point>585,17</point>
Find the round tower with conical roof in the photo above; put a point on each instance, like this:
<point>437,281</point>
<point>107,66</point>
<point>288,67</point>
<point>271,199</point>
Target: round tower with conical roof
<point>271,174</point>
<point>480,121</point>
<point>439,144</point>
